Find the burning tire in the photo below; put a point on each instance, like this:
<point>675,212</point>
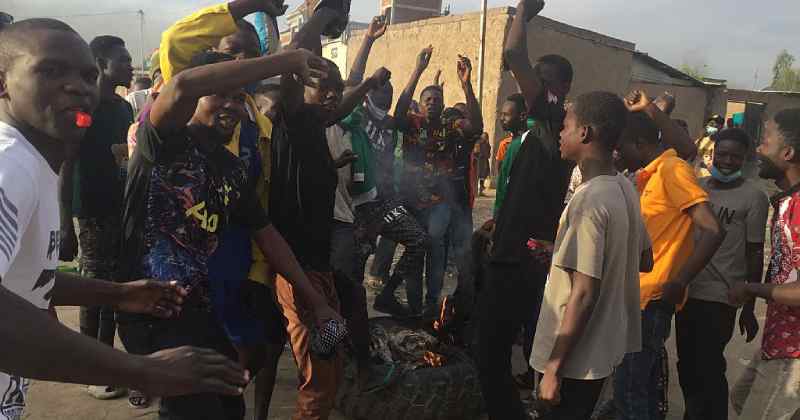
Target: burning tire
<point>448,392</point>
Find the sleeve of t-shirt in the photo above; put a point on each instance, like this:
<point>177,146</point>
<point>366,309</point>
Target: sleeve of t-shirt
<point>154,148</point>
<point>756,223</point>
<point>582,247</point>
<point>18,195</point>
<point>682,187</point>
<point>250,214</point>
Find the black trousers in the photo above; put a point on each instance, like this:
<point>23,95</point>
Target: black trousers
<point>194,327</point>
<point>578,398</point>
<point>703,329</point>
<point>510,296</point>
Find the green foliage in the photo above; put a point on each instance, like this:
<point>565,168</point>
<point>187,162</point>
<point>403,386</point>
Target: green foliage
<point>785,77</point>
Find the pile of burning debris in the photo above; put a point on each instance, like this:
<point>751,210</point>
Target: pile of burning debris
<point>411,346</point>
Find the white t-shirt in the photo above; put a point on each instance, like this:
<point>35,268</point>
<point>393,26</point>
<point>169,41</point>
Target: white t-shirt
<point>29,239</point>
<point>338,142</point>
<point>601,234</point>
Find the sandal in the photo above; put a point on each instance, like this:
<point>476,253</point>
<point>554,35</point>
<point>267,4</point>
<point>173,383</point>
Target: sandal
<point>136,399</point>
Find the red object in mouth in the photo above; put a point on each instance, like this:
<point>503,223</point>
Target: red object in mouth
<point>83,120</point>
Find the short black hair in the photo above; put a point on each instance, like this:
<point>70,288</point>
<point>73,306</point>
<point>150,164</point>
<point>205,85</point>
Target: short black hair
<point>733,134</point>
<point>13,36</point>
<point>205,58</point>
<point>518,100</point>
<point>641,129</point>
<point>562,65</point>
<point>432,87</point>
<point>605,113</point>
<point>451,114</point>
<point>788,122</point>
<point>102,45</point>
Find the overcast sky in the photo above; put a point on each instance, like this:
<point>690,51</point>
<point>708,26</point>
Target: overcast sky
<point>734,39</point>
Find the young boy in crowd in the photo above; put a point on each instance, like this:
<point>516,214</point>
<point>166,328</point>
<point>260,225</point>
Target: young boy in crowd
<point>429,147</point>
<point>256,325</point>
<point>302,196</point>
<point>590,312</point>
<point>705,325</point>
<point>513,117</point>
<point>774,372</point>
<point>95,182</point>
<point>530,210</point>
<point>674,207</point>
<point>184,190</point>
<point>48,87</point>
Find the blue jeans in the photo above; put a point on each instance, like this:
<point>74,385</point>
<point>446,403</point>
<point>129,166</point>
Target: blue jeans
<point>446,221</point>
<point>638,380</point>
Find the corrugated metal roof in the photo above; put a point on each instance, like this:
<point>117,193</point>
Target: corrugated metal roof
<point>647,69</point>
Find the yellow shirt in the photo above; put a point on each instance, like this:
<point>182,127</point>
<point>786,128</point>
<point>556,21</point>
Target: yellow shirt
<point>667,188</point>
<point>199,32</point>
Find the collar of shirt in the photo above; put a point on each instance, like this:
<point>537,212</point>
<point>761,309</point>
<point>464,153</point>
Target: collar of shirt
<point>648,171</point>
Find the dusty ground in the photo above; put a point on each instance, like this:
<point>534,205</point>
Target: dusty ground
<point>62,401</point>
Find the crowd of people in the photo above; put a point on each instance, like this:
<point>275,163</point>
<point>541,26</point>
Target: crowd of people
<point>248,184</point>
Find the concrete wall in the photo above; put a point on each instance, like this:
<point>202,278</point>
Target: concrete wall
<point>449,36</point>
<point>690,103</point>
<point>600,62</point>
<point>775,101</point>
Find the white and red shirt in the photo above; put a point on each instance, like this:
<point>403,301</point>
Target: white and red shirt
<point>29,239</point>
<point>782,327</point>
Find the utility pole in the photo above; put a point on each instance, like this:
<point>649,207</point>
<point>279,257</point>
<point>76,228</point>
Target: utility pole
<point>141,38</point>
<point>755,80</point>
<point>482,53</point>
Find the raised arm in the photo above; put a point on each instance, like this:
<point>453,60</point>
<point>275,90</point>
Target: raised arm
<point>202,31</point>
<point>475,114</point>
<point>376,29</point>
<point>516,52</point>
<point>177,101</point>
<point>672,134</point>
<point>355,96</point>
<point>404,101</point>
<point>307,38</point>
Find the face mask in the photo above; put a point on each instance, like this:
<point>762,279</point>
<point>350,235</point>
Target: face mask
<point>725,179</point>
<point>711,130</point>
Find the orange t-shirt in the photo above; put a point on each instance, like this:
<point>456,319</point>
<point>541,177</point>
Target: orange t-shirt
<point>667,188</point>
<point>502,148</point>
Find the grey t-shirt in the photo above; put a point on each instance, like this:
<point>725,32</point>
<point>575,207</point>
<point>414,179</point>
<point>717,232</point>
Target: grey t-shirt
<point>601,234</point>
<point>742,212</point>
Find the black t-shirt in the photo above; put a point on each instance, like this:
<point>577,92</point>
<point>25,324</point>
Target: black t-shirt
<point>536,188</point>
<point>180,196</point>
<point>462,159</point>
<point>98,183</point>
<point>303,188</point>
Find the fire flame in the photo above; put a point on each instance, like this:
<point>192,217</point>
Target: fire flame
<point>438,324</point>
<point>434,359</point>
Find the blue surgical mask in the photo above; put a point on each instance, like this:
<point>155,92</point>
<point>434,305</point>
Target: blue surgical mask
<point>711,130</point>
<point>725,179</point>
